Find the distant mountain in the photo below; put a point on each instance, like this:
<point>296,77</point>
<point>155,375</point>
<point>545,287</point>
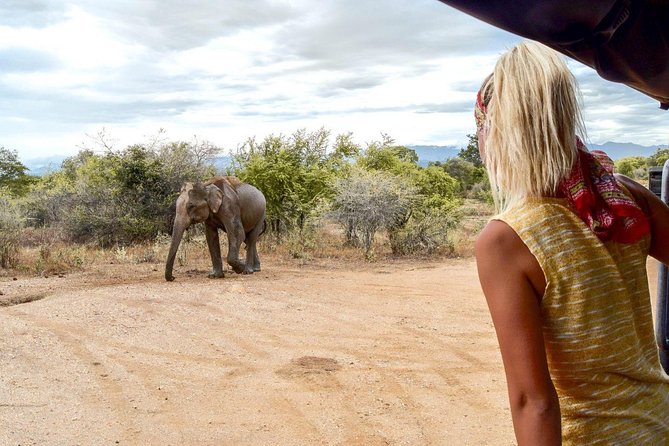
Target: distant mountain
<point>617,150</point>
<point>427,154</point>
<point>44,165</point>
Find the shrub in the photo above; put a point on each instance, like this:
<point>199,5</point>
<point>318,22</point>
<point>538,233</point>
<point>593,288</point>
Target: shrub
<point>11,223</point>
<point>300,242</point>
<point>295,174</point>
<point>423,234</point>
<point>658,158</point>
<point>119,197</point>
<point>631,165</point>
<point>371,200</point>
<point>481,191</point>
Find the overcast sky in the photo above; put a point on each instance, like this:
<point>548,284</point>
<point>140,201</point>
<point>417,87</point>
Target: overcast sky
<point>227,70</point>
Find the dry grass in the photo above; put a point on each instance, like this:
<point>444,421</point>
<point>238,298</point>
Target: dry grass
<point>475,216</point>
<point>23,299</point>
<point>325,241</point>
<point>44,253</point>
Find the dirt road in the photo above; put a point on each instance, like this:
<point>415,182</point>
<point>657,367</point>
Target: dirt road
<point>393,354</point>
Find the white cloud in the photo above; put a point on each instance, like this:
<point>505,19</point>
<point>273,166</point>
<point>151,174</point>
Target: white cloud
<point>235,69</point>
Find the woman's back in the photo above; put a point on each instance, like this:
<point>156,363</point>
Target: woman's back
<point>597,327</point>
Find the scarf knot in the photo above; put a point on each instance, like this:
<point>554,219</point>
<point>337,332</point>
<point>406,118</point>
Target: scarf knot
<point>595,195</point>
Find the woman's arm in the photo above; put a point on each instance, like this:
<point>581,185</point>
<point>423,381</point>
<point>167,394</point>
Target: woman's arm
<point>513,284</point>
<point>658,215</point>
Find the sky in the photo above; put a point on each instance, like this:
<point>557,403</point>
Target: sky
<point>228,70</point>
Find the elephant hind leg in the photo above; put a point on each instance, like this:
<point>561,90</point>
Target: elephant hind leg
<point>256,260</point>
<point>252,259</point>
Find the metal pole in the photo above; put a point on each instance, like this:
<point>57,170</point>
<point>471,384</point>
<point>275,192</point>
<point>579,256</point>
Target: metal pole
<point>662,316</point>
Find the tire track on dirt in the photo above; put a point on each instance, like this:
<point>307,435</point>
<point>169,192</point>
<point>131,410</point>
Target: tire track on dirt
<point>229,356</point>
<point>112,390</point>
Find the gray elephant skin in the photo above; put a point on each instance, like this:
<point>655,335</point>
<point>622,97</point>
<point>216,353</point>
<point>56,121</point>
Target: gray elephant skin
<point>221,203</point>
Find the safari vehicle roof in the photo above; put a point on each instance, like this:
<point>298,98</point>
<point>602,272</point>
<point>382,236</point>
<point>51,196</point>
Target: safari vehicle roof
<point>626,41</point>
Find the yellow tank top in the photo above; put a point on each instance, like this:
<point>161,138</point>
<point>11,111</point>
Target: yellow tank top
<point>598,329</point>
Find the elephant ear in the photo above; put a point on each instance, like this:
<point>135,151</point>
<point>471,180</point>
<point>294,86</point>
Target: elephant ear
<point>214,197</point>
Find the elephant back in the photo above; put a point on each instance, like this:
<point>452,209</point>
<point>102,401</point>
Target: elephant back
<point>220,181</point>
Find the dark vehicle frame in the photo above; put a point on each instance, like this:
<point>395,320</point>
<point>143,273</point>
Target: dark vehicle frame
<point>655,180</point>
<point>662,317</point>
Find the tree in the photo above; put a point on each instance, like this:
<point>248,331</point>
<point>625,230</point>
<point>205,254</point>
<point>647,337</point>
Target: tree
<point>295,174</point>
<point>471,153</point>
<point>13,175</point>
<point>385,156</point>
<point>371,200</point>
<point>658,158</point>
<point>203,152</point>
<point>464,171</point>
<point>343,153</point>
<point>632,166</point>
<point>11,223</point>
<point>436,188</point>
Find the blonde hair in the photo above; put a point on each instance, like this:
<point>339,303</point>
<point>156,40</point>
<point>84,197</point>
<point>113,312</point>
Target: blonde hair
<point>533,118</point>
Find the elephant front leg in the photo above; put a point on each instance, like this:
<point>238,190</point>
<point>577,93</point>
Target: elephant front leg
<point>215,252</point>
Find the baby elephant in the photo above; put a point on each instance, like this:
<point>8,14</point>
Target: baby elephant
<point>221,203</point>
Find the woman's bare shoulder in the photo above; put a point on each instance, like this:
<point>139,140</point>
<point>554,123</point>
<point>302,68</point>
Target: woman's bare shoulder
<point>499,247</point>
<point>497,235</point>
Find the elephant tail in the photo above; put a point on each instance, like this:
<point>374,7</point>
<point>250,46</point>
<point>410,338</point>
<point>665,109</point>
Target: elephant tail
<point>264,226</point>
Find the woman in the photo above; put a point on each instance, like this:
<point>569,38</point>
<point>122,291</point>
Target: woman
<point>563,266</point>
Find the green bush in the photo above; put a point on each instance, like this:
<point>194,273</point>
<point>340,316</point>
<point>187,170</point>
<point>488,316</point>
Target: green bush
<point>11,224</point>
<point>658,158</point>
<point>296,174</point>
<point>632,166</point>
<point>425,234</point>
<point>119,197</point>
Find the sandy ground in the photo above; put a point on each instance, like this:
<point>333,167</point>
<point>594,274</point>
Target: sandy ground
<point>399,353</point>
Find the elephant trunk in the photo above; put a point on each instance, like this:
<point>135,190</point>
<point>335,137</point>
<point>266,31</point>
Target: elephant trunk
<point>177,233</point>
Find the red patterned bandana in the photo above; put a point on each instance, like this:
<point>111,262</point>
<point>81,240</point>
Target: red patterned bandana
<point>479,112</point>
<point>593,192</point>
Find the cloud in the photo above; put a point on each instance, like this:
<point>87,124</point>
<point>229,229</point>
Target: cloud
<point>350,33</point>
<point>30,13</point>
<point>20,60</point>
<point>234,69</point>
<point>616,112</point>
<point>173,25</point>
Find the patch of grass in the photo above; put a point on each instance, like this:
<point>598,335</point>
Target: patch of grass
<point>323,241</point>
<point>55,258</point>
<point>17,300</point>
<point>478,208</point>
<point>44,251</point>
<point>476,214</point>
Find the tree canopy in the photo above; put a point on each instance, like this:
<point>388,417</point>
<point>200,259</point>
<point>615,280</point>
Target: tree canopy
<point>113,196</point>
<point>13,176</point>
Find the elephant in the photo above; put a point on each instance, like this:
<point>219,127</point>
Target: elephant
<point>221,203</point>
